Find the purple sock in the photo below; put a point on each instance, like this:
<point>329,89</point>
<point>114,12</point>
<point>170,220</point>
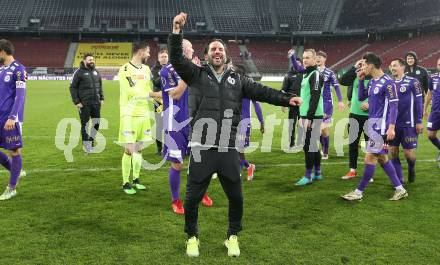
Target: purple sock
<point>325,144</point>
<point>245,163</point>
<point>317,170</point>
<point>368,174</point>
<point>436,142</point>
<point>5,161</point>
<point>411,165</point>
<point>16,164</point>
<point>174,179</point>
<point>308,173</point>
<point>391,173</point>
<point>398,168</point>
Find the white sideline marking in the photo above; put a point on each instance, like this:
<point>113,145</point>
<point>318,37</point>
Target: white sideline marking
<point>67,170</point>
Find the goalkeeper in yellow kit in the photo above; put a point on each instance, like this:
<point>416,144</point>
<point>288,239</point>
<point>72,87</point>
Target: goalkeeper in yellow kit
<point>134,129</point>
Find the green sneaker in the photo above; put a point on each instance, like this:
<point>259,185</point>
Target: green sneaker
<point>317,177</point>
<point>137,184</point>
<point>192,247</point>
<point>303,181</point>
<point>232,245</point>
<point>128,189</point>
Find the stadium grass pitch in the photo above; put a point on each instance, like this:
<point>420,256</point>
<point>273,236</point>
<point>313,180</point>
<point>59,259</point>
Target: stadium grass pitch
<point>76,213</point>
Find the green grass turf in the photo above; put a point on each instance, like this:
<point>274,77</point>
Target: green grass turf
<point>76,213</point>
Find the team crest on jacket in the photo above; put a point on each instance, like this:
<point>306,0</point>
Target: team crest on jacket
<point>231,80</point>
<point>418,72</point>
<point>95,73</point>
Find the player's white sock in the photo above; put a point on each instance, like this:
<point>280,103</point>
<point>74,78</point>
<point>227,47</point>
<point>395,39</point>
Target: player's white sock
<point>400,187</point>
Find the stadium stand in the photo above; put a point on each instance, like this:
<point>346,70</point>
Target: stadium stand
<point>397,46</point>
<point>240,16</point>
<point>302,15</point>
<point>388,14</point>
<point>335,49</point>
<point>59,14</point>
<point>34,52</point>
<point>115,14</point>
<point>252,22</point>
<point>165,10</point>
<point>270,57</point>
<point>11,13</point>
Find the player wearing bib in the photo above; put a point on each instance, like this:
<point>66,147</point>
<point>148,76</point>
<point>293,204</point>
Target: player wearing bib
<point>311,113</point>
<point>330,80</point>
<point>358,116</point>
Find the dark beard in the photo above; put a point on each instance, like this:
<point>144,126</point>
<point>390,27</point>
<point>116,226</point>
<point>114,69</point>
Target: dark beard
<point>90,66</point>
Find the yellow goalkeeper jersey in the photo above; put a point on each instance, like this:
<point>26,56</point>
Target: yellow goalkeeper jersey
<point>135,85</point>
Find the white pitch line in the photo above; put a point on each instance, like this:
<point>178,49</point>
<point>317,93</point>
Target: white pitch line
<point>67,170</point>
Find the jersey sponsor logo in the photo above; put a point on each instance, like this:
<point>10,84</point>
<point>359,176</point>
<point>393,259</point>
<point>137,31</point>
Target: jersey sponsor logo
<point>141,77</point>
<point>390,90</point>
<point>231,80</point>
<point>20,84</point>
<point>170,81</point>
<point>12,139</point>
<point>410,139</point>
<point>7,78</point>
<point>128,133</point>
<point>418,87</point>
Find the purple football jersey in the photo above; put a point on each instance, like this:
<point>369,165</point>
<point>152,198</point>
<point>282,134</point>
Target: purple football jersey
<point>410,94</point>
<point>434,87</point>
<point>383,102</point>
<point>175,111</point>
<point>12,78</point>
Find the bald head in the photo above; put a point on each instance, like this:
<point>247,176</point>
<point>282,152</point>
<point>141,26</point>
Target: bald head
<point>187,48</point>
